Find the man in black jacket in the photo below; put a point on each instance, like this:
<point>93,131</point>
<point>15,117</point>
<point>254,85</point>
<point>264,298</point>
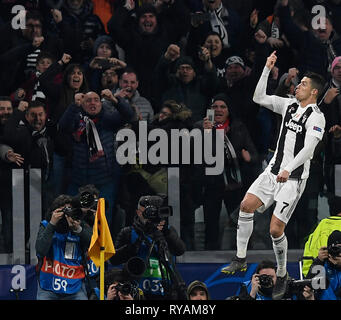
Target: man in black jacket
<point>31,134</point>
<point>152,240</point>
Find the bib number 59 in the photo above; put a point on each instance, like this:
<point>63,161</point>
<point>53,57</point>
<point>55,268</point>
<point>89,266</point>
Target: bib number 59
<point>59,284</point>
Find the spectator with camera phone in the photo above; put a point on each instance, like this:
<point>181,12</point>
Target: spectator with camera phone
<point>149,238</point>
<point>330,258</point>
<point>62,241</point>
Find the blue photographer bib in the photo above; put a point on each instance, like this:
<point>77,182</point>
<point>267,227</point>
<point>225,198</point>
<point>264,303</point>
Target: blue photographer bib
<point>150,281</point>
<point>62,270</point>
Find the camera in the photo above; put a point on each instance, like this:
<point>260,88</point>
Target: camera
<point>73,213</point>
<point>134,268</point>
<point>87,200</point>
<point>334,250</point>
<point>155,211</point>
<point>297,286</point>
<point>265,281</point>
<point>155,214</point>
<point>126,288</point>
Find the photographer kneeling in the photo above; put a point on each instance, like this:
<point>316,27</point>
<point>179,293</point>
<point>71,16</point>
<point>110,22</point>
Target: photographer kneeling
<point>151,239</point>
<point>62,241</point>
<point>263,281</point>
<point>329,258</point>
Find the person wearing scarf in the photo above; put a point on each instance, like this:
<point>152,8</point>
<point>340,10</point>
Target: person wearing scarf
<point>92,127</point>
<point>240,157</point>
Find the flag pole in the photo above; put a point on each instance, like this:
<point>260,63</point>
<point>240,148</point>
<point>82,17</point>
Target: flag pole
<point>101,269</point>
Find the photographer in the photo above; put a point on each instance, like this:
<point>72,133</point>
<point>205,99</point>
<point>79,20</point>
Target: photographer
<point>263,281</point>
<point>330,258</point>
<point>63,238</point>
<point>118,286</point>
<point>156,243</point>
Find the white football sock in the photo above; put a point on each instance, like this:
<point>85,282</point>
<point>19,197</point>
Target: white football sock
<point>244,232</point>
<point>280,246</point>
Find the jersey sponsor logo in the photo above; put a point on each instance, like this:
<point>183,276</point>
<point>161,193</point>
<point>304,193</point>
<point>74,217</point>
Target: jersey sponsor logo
<point>293,126</point>
<point>63,270</point>
<point>317,129</point>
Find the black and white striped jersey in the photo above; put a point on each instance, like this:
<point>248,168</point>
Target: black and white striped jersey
<point>297,123</point>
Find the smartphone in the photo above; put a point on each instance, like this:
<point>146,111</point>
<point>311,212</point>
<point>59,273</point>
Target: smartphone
<point>210,115</point>
<point>104,63</point>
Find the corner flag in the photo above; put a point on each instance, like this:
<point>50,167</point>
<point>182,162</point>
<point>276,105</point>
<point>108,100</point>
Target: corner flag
<point>101,238</point>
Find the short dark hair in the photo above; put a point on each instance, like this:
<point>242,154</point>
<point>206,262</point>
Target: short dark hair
<point>36,104</point>
<point>5,98</point>
<point>89,188</point>
<point>317,81</point>
<point>129,69</point>
<point>34,15</point>
<point>46,55</point>
<point>265,264</point>
<point>58,202</point>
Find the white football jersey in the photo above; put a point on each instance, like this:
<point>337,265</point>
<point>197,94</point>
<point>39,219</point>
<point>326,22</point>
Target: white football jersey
<point>297,122</point>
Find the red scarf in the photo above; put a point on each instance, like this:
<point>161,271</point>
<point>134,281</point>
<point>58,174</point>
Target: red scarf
<point>225,125</point>
<point>80,130</point>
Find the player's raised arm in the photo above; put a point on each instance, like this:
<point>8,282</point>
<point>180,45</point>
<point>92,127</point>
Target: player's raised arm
<point>273,103</point>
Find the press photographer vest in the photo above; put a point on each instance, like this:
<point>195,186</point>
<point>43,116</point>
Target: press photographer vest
<point>62,270</point>
<point>150,281</point>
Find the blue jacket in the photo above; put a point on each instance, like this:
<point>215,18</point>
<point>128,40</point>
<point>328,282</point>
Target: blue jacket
<point>102,170</point>
<point>333,291</point>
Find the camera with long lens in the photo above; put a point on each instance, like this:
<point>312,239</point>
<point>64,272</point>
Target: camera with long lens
<point>155,210</point>
<point>265,281</point>
<point>334,250</point>
<point>296,286</point>
<point>155,214</point>
<point>127,288</point>
<point>134,268</point>
<point>73,213</point>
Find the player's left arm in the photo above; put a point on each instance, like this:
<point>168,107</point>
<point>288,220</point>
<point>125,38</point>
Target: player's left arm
<point>315,130</point>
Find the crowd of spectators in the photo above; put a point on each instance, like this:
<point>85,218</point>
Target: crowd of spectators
<point>79,71</point>
<point>75,72</point>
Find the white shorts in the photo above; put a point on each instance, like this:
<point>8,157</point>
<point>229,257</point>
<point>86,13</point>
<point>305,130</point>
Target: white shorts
<point>285,194</point>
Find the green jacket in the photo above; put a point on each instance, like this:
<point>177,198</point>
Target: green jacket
<point>319,239</point>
